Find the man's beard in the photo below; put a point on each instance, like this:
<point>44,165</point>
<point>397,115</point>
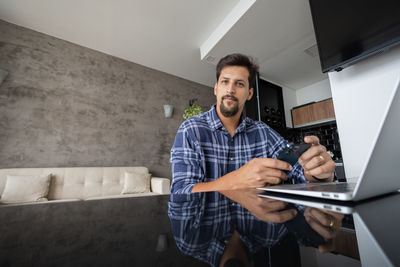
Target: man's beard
<point>229,112</point>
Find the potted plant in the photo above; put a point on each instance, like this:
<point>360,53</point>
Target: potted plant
<point>192,110</point>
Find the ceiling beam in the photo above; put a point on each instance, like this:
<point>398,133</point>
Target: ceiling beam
<point>237,12</point>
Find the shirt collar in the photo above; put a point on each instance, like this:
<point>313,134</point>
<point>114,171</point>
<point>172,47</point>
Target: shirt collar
<point>215,123</point>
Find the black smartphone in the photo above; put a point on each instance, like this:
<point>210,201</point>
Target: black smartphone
<point>292,152</point>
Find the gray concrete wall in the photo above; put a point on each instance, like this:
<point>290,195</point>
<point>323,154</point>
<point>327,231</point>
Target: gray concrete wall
<point>65,105</point>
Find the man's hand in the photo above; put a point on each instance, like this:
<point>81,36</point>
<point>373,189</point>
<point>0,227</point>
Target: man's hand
<point>316,162</point>
<point>265,209</point>
<point>326,223</point>
<point>258,172</point>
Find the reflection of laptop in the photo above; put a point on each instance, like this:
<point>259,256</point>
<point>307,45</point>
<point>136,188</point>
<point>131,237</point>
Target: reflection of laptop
<point>380,174</point>
<point>343,207</point>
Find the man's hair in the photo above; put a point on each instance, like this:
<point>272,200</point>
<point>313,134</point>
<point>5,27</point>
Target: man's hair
<point>239,60</point>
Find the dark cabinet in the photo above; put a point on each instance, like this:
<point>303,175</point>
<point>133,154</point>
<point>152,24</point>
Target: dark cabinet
<point>267,105</point>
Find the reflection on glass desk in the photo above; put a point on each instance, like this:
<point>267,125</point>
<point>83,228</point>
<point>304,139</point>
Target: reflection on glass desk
<point>375,222</point>
<point>203,224</point>
<point>142,231</point>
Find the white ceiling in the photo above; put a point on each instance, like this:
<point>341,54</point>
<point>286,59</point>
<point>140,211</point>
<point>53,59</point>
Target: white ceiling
<point>178,36</point>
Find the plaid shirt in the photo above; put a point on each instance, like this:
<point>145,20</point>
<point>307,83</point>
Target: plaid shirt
<point>204,151</point>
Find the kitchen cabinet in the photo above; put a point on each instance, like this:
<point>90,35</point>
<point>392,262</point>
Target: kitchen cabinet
<point>314,113</point>
<point>267,105</point>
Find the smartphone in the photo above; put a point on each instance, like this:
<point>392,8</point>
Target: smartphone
<point>292,152</point>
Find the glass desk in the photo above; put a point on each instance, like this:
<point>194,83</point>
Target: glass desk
<point>139,231</point>
<point>366,231</point>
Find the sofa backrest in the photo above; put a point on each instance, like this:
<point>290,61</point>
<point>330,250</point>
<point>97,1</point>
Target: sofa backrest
<point>79,182</point>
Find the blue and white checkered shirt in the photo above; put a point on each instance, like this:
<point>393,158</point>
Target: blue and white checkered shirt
<point>204,151</point>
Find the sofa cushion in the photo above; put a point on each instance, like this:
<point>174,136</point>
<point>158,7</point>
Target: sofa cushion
<point>25,188</point>
<point>160,185</point>
<point>136,183</point>
<point>88,182</point>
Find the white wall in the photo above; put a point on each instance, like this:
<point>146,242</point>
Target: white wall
<point>360,95</point>
<point>314,92</point>
<point>289,101</point>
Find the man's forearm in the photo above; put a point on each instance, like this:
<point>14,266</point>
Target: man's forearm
<point>219,184</point>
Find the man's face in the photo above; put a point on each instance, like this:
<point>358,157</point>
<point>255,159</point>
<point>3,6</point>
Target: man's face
<point>232,90</point>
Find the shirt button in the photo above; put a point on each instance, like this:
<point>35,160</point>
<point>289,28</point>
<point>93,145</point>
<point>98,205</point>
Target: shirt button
<point>231,158</point>
<point>233,204</point>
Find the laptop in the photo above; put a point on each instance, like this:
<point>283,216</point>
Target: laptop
<point>380,174</point>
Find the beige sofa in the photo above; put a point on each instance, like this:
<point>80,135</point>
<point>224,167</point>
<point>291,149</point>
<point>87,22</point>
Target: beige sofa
<point>32,185</point>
